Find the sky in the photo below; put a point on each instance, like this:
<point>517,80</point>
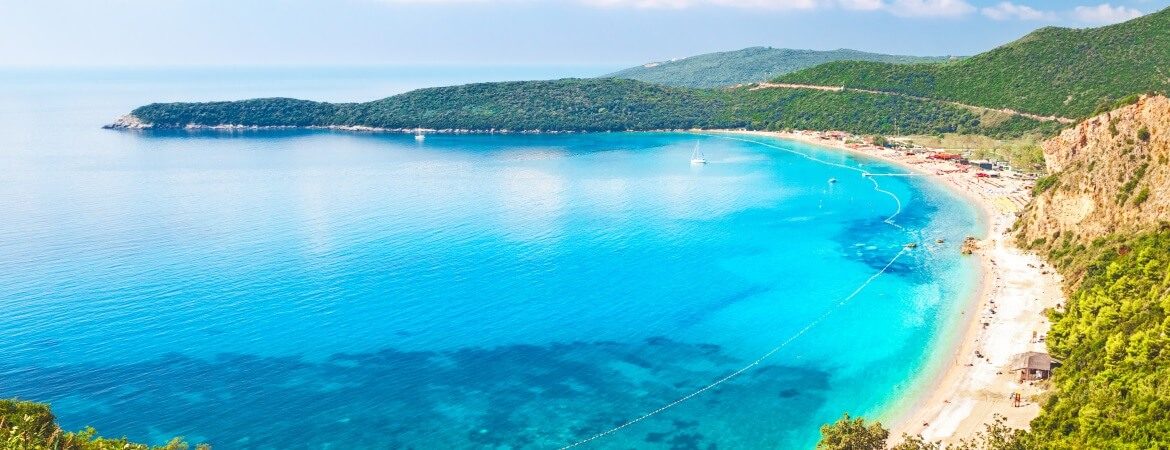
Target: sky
<point>159,33</point>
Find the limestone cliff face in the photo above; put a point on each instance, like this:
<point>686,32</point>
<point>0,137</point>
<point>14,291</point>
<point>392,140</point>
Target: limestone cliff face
<point>1110,174</point>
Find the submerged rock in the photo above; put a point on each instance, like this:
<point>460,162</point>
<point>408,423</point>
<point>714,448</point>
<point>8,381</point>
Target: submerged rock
<point>970,244</point>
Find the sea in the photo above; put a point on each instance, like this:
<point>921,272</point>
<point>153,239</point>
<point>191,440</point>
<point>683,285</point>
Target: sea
<point>345,290</point>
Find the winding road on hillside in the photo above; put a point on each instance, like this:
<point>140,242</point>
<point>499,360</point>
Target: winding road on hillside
<point>978,109</point>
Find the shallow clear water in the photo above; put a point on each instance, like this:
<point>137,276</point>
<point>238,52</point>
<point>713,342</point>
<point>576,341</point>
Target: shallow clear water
<point>331,290</point>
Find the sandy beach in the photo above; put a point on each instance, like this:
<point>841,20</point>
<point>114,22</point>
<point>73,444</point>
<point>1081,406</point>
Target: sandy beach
<point>1004,319</point>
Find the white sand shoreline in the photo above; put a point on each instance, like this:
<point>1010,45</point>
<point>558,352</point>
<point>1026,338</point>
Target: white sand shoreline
<point>966,391</point>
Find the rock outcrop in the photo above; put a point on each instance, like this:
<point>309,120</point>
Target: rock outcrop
<point>128,122</point>
<point>1110,174</point>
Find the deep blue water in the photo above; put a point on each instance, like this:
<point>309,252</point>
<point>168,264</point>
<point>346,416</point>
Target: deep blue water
<point>278,290</point>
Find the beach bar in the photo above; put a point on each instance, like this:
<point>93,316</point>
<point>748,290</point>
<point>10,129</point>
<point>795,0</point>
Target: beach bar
<point>1034,366</point>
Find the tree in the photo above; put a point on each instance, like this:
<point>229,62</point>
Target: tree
<point>996,436</point>
<point>853,434</point>
<point>916,442</point>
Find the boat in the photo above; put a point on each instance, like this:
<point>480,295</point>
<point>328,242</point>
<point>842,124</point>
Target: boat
<point>418,135</point>
<point>697,157</point>
<point>832,180</point>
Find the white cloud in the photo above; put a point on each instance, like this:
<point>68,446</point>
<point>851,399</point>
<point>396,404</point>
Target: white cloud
<point>907,8</point>
<point>680,4</point>
<point>929,8</point>
<point>1009,10</point>
<point>1105,13</point>
<point>863,5</point>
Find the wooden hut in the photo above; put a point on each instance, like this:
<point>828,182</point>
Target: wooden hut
<point>1034,366</point>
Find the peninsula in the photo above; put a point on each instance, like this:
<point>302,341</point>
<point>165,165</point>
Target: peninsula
<point>1076,260</point>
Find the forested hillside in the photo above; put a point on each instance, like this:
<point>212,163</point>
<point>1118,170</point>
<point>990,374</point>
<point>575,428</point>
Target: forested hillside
<point>750,65</point>
<point>1052,71</point>
<point>592,105</point>
<point>1113,390</point>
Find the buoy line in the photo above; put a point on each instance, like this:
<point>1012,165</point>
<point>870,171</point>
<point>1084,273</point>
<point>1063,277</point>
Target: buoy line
<point>889,221</point>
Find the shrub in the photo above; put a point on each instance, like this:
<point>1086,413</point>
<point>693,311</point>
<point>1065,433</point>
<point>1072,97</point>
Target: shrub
<point>1045,183</point>
<point>32,426</point>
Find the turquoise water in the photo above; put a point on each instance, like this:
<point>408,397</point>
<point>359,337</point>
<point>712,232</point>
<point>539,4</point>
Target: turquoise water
<point>273,290</point>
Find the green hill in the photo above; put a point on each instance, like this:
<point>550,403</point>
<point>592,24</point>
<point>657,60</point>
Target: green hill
<point>749,65</point>
<point>1052,71</point>
<point>604,104</point>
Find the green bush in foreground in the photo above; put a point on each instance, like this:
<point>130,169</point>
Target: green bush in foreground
<point>32,426</point>
<point>855,434</point>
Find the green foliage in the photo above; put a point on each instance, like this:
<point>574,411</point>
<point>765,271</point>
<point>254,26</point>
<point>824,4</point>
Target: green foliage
<point>1142,196</point>
<point>853,434</point>
<point>916,442</point>
<point>749,65</point>
<point>846,111</point>
<point>263,112</point>
<point>595,105</point>
<point>998,436</point>
<point>1144,134</point>
<point>1053,71</point>
<point>1045,183</point>
<point>1131,99</point>
<point>32,426</point>
<point>1129,186</point>
<point>1113,390</point>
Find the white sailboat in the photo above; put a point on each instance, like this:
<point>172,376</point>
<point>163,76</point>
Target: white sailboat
<point>697,157</point>
<point>418,135</point>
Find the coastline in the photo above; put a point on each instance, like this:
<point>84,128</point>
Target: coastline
<point>129,122</point>
<point>969,380</point>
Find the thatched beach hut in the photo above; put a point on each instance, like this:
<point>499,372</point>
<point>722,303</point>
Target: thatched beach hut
<point>1034,366</point>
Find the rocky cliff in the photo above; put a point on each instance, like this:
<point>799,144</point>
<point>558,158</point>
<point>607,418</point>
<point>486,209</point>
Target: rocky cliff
<point>1110,175</point>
